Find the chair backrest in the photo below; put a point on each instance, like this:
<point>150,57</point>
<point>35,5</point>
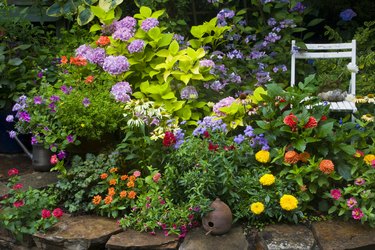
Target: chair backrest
<point>325,50</point>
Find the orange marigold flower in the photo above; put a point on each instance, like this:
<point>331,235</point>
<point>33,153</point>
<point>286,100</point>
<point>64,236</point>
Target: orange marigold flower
<point>291,120</point>
<point>79,61</point>
<point>108,199</point>
<point>130,184</point>
<point>132,178</point>
<point>113,170</point>
<point>132,194</point>
<point>326,166</point>
<point>64,60</point>
<point>304,157</point>
<point>97,199</point>
<point>103,176</point>
<point>111,191</point>
<point>112,182</point>
<point>124,177</point>
<point>123,194</point>
<point>291,157</point>
<point>103,40</point>
<point>311,123</point>
<point>89,79</point>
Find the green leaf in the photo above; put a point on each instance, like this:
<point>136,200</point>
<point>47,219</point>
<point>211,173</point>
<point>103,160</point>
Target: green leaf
<point>300,145</point>
<point>145,11</point>
<point>157,14</point>
<point>299,180</point>
<point>185,112</point>
<point>95,27</point>
<point>186,78</point>
<point>332,209</point>
<point>15,61</point>
<point>84,16</point>
<point>344,170</point>
<point>197,31</point>
<point>169,95</point>
<point>165,40</point>
<point>322,181</point>
<point>54,10</point>
<point>154,33</point>
<point>325,129</point>
<point>108,5</point>
<point>90,2</point>
<point>349,149</point>
<point>23,46</point>
<point>315,22</point>
<point>173,47</point>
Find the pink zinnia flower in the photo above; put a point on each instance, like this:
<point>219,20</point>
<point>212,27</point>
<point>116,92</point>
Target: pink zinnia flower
<point>13,171</point>
<point>137,173</point>
<point>359,181</point>
<point>46,213</point>
<point>352,202</point>
<point>17,186</point>
<point>336,194</point>
<point>53,160</point>
<point>357,213</point>
<point>57,212</point>
<point>156,177</point>
<point>18,204</point>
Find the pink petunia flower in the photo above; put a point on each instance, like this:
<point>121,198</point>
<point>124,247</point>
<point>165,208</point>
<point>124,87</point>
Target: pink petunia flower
<point>357,213</point>
<point>336,194</point>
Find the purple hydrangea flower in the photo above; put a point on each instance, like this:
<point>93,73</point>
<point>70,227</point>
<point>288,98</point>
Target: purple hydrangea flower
<point>123,34</point>
<point>38,100</point>
<point>213,123</point>
<point>12,134</point>
<point>249,131</point>
<point>178,37</point>
<point>116,65</point>
<point>226,102</point>
<point>121,91</point>
<point>86,102</point>
<point>9,118</point>
<point>224,14</point>
<point>188,93</point>
<point>96,56</point>
<point>235,54</point>
<point>272,37</point>
<point>206,63</point>
<point>149,23</point>
<point>299,7</point>
<point>136,46</point>
<point>263,77</point>
<point>127,22</point>
<point>347,15</point>
<point>83,50</point>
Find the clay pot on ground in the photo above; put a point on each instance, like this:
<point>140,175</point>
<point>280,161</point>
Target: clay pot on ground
<point>219,220</point>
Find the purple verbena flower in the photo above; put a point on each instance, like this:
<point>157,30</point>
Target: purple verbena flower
<point>116,65</point>
<point>16,107</point>
<point>34,140</point>
<point>61,155</point>
<point>179,135</point>
<point>38,100</point>
<point>121,91</point>
<point>239,139</point>
<point>86,102</point>
<point>149,23</point>
<point>235,54</point>
<point>66,90</point>
<point>299,7</point>
<point>136,46</point>
<point>271,22</point>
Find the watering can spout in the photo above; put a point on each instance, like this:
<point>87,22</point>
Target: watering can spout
<point>30,155</point>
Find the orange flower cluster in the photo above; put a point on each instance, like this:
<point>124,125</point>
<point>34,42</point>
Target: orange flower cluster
<point>89,79</point>
<point>327,166</point>
<point>79,61</point>
<point>293,157</point>
<point>311,123</point>
<point>103,41</point>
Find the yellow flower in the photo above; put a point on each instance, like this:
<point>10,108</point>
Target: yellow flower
<point>367,117</point>
<point>262,156</point>
<point>369,158</point>
<point>288,202</point>
<point>267,180</point>
<point>82,125</point>
<point>257,207</point>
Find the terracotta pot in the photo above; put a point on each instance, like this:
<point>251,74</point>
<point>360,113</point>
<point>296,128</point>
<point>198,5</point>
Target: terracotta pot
<point>218,221</point>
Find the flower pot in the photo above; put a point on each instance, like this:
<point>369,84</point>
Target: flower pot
<point>41,158</point>
<point>218,221</point>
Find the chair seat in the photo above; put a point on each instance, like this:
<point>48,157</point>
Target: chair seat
<point>344,106</point>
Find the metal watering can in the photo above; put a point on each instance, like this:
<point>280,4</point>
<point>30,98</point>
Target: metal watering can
<point>40,156</point>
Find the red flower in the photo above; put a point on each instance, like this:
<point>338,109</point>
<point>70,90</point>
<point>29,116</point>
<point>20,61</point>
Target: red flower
<point>17,186</point>
<point>46,213</point>
<point>169,139</point>
<point>89,79</point>
<point>57,212</point>
<point>18,204</point>
<point>64,60</point>
<point>79,61</point>
<point>212,147</point>
<point>13,171</point>
<point>103,40</point>
<point>311,123</point>
<point>324,118</point>
<point>156,177</point>
<point>53,160</point>
<point>231,147</point>
<point>206,134</point>
<point>291,120</point>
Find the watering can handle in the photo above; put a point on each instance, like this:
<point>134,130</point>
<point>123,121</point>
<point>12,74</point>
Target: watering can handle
<point>30,155</point>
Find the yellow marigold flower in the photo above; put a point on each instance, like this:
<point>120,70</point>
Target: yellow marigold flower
<point>112,182</point>
<point>103,176</point>
<point>108,199</point>
<point>267,180</point>
<point>257,207</point>
<point>262,156</point>
<point>288,202</point>
<point>123,194</point>
<point>113,170</point>
<point>369,158</point>
<point>130,184</point>
<point>111,191</point>
<point>132,194</point>
<point>124,177</point>
<point>96,200</point>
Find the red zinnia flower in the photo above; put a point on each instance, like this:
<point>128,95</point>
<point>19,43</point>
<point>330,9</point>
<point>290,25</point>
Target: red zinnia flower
<point>46,213</point>
<point>18,204</point>
<point>326,166</point>
<point>13,171</point>
<point>311,123</point>
<point>57,212</point>
<point>169,139</point>
<point>17,186</point>
<point>291,120</point>
<point>212,147</point>
<point>324,118</point>
<point>54,160</point>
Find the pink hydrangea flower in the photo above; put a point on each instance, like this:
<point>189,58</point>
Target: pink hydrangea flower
<point>226,102</point>
<point>357,213</point>
<point>336,194</point>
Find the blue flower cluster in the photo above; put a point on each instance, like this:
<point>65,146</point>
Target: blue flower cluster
<point>254,140</point>
<point>212,123</point>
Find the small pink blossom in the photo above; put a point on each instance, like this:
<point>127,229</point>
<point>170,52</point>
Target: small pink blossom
<point>53,160</point>
<point>359,181</point>
<point>17,186</point>
<point>352,202</point>
<point>46,213</point>
<point>153,233</point>
<point>166,233</point>
<point>357,213</point>
<point>137,173</point>
<point>156,177</point>
<point>336,194</point>
<point>13,171</point>
<point>18,204</point>
<point>57,212</point>
<point>373,163</point>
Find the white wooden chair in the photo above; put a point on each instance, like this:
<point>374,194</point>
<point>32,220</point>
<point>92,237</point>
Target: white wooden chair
<point>329,50</point>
